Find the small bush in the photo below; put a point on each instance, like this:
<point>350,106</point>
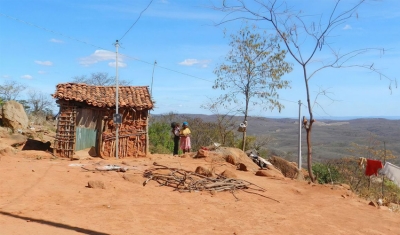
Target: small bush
<point>326,173</point>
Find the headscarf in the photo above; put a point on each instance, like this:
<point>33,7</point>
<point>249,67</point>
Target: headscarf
<point>185,124</point>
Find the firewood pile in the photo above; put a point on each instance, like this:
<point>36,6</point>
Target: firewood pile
<point>189,181</point>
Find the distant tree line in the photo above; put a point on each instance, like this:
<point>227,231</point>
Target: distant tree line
<point>40,104</point>
<point>37,103</point>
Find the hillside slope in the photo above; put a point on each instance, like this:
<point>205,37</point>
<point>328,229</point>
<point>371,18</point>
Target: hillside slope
<point>330,138</point>
<point>43,195</point>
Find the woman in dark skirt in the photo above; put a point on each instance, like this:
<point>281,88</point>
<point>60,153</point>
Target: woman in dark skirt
<point>175,132</point>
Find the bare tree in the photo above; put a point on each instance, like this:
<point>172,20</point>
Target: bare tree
<point>39,102</point>
<point>10,90</point>
<point>252,72</point>
<point>99,79</point>
<point>303,38</point>
<point>225,125</point>
<point>262,141</point>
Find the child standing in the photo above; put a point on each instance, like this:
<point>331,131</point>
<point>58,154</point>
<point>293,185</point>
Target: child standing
<point>185,138</point>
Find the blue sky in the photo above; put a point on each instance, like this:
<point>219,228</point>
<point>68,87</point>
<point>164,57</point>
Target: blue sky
<point>46,42</point>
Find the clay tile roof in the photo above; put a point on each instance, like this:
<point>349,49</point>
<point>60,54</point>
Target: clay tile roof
<point>104,96</point>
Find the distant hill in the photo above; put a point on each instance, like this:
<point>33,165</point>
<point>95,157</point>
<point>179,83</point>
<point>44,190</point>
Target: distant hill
<point>330,138</point>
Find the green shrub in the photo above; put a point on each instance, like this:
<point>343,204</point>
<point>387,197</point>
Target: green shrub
<point>391,191</point>
<point>160,138</point>
<point>325,173</point>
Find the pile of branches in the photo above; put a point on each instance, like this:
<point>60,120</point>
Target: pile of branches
<point>188,181</point>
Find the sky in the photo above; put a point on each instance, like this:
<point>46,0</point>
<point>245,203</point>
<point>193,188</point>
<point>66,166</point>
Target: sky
<point>173,46</point>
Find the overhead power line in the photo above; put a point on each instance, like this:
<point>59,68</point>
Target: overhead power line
<point>136,20</point>
<point>175,71</point>
<point>51,31</point>
<point>95,46</point>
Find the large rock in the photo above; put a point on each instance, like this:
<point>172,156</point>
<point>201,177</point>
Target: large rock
<point>96,184</point>
<point>17,139</point>
<point>229,174</point>
<point>273,172</point>
<point>201,170</point>
<point>14,116</point>
<point>287,168</point>
<point>233,156</point>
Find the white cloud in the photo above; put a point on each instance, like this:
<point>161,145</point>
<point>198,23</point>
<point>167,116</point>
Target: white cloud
<point>347,27</point>
<point>56,40</point>
<point>191,62</point>
<point>120,64</point>
<point>26,77</point>
<point>45,63</point>
<point>5,76</point>
<point>41,72</point>
<point>101,55</point>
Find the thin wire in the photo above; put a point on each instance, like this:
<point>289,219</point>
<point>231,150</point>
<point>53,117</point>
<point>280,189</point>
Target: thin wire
<point>168,69</point>
<point>136,20</point>
<point>51,31</point>
<point>66,36</point>
<point>185,74</point>
<point>288,100</point>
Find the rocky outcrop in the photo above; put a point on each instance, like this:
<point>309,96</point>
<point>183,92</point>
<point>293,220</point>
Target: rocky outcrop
<point>14,116</point>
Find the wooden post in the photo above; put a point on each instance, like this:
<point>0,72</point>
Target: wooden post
<point>147,134</point>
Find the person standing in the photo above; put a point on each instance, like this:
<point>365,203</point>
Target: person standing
<point>185,138</point>
<point>176,132</point>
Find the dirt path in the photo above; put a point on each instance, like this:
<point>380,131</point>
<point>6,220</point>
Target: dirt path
<point>39,195</point>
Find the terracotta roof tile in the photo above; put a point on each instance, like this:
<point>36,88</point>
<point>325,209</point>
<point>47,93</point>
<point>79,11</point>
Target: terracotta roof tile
<point>104,96</point>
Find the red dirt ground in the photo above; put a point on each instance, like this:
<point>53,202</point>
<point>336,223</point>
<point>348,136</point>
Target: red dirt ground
<point>43,195</point>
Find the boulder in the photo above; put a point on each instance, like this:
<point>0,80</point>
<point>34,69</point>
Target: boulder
<point>96,184</point>
<point>233,156</point>
<point>241,167</point>
<point>204,171</point>
<point>4,132</point>
<point>6,150</point>
<point>17,140</point>
<point>287,168</point>
<point>229,174</point>
<point>374,204</point>
<point>237,157</point>
<point>270,173</point>
<point>201,153</point>
<point>14,116</point>
<point>231,159</point>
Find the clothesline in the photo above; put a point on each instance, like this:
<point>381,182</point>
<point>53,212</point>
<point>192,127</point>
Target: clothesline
<point>373,167</point>
<point>392,172</point>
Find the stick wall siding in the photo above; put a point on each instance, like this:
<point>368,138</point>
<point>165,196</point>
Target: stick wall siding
<point>82,126</point>
<point>86,120</point>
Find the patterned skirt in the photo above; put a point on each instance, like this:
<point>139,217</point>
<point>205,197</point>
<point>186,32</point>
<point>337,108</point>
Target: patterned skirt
<point>185,142</point>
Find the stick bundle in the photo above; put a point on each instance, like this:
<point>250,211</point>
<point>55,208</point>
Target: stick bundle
<point>188,181</point>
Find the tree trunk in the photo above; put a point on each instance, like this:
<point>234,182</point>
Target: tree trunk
<point>309,152</point>
<point>244,140</point>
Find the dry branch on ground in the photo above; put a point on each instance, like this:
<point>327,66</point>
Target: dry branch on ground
<point>189,181</point>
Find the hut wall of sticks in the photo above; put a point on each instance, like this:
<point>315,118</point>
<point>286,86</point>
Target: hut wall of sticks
<point>85,120</point>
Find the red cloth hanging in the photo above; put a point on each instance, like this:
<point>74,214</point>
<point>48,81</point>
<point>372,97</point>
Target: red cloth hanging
<point>372,167</point>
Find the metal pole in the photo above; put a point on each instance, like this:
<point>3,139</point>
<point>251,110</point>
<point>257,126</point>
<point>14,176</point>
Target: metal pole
<point>152,76</point>
<point>299,163</point>
<point>116,100</point>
